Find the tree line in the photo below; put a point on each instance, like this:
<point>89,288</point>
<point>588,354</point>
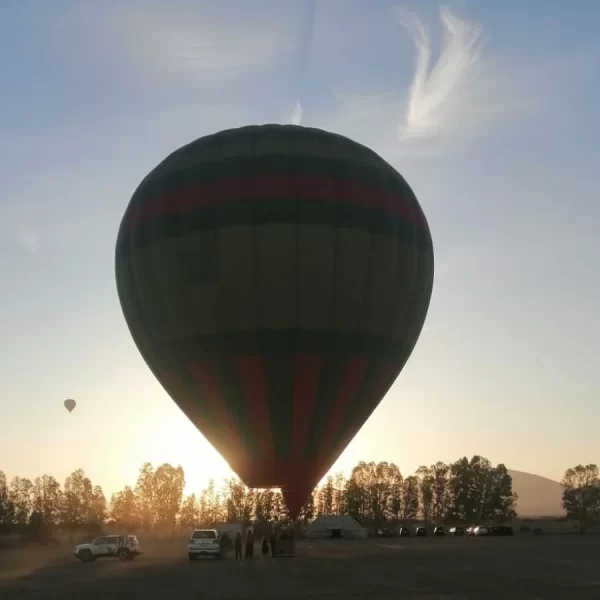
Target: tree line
<point>466,491</point>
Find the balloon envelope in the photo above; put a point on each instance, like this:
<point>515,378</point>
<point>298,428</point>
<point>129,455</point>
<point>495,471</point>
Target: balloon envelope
<point>70,404</point>
<point>275,279</point>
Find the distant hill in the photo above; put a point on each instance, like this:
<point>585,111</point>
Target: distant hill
<point>538,496</point>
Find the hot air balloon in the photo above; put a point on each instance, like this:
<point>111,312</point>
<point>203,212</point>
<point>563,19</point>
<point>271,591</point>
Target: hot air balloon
<point>275,279</point>
<point>70,404</point>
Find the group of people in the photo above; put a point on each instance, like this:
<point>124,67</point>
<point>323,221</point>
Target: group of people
<point>249,551</point>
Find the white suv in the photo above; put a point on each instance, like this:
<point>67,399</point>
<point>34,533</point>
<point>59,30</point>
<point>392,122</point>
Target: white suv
<point>124,547</point>
<point>204,542</point>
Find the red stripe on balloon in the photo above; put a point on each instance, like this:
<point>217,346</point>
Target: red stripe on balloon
<point>351,380</point>
<point>256,393</point>
<point>212,396</point>
<point>307,368</point>
<point>379,386</point>
<point>251,189</point>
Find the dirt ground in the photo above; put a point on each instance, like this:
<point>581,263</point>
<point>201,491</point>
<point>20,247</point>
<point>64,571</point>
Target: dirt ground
<point>426,568</point>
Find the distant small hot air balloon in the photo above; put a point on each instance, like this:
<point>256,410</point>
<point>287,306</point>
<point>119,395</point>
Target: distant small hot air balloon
<point>276,280</point>
<point>70,404</point>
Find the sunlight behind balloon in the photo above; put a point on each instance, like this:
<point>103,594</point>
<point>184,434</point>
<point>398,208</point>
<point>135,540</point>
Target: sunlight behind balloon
<point>179,442</point>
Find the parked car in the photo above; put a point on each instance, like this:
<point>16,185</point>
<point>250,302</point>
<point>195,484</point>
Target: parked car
<point>205,542</point>
<point>404,532</point>
<point>421,531</point>
<point>123,547</point>
<point>481,530</point>
<point>439,531</point>
<point>385,533</point>
<point>502,530</point>
<point>471,530</point>
<point>457,531</point>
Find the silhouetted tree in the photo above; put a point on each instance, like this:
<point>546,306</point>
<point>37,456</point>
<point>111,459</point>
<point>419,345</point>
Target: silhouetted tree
<point>466,491</point>
<point>168,483</point>
<point>46,500</point>
<point>81,503</point>
<point>308,511</point>
<point>410,499</point>
<point>211,508</point>
<point>440,474</point>
<point>125,509</point>
<point>145,493</point>
<point>190,511</point>
<point>581,495</point>
<point>480,493</point>
<point>425,492</point>
<point>325,498</point>
<point>20,496</point>
<point>6,505</point>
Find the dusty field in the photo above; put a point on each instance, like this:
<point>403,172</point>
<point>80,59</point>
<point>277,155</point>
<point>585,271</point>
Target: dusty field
<point>433,568</point>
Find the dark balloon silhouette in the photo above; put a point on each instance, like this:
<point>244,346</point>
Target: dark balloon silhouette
<point>275,279</point>
<point>70,404</point>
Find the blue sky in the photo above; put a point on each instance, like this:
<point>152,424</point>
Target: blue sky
<point>497,134</point>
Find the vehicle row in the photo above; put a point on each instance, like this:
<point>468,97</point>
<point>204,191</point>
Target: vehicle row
<point>439,531</point>
<point>202,543</point>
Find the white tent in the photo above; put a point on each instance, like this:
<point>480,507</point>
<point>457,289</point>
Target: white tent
<point>336,527</point>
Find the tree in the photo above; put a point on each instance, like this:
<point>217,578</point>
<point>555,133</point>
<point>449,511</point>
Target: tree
<point>47,498</point>
<point>581,495</point>
<point>146,495</point>
<point>210,506</point>
<point>440,494</point>
<point>394,504</point>
<point>6,505</point>
<point>355,501</point>
<point>239,503</point>
<point>478,492</point>
<point>78,504</point>
<point>370,490</point>
<point>280,512</point>
<point>379,489</point>
<point>124,509</point>
<point>500,501</point>
<point>96,508</point>
<point>20,497</point>
<point>264,505</point>
<point>189,514</point>
<point>425,492</point>
<point>410,499</point>
<point>168,484</point>
<point>249,506</point>
<point>308,510</point>
<point>325,498</point>
<point>339,499</point>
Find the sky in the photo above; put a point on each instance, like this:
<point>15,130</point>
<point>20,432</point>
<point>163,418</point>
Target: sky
<point>489,110</point>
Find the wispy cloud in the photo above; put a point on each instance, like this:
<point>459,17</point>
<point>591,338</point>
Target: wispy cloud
<point>296,118</point>
<point>439,92</point>
<point>191,42</point>
<point>28,239</point>
<point>451,97</point>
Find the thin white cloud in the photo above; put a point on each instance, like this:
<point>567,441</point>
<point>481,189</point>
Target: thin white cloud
<point>188,42</point>
<point>296,118</point>
<point>28,239</point>
<point>451,97</point>
<point>438,92</point>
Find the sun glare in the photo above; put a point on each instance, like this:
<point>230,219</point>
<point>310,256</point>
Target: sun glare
<point>174,440</point>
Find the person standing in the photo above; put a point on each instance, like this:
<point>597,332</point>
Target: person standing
<point>273,543</point>
<point>238,546</point>
<point>250,544</point>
